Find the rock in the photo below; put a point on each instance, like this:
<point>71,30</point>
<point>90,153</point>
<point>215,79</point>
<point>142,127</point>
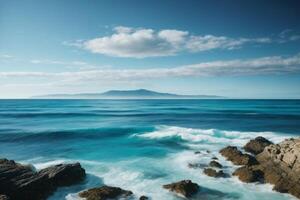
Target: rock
<point>237,157</point>
<point>105,192</point>
<point>143,198</point>
<point>248,174</point>
<point>214,173</point>
<point>197,152</point>
<point>196,165</point>
<point>257,145</point>
<point>216,164</point>
<point>185,187</point>
<point>23,182</point>
<point>280,164</point>
<point>3,197</point>
<point>214,158</point>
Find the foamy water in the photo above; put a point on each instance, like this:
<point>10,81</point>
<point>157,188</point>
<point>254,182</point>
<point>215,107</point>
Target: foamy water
<point>140,145</point>
<point>145,176</point>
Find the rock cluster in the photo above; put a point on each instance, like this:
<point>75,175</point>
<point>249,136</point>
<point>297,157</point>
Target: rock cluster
<point>277,164</point>
<point>185,188</point>
<point>280,164</point>
<point>23,182</point>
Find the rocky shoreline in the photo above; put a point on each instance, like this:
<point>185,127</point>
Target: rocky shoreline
<point>260,161</point>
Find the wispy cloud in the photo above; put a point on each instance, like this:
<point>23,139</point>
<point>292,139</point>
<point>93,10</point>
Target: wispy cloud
<point>264,65</point>
<point>141,42</point>
<point>288,35</point>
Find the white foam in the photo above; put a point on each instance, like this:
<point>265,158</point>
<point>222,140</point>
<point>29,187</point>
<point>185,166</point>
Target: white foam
<point>212,136</point>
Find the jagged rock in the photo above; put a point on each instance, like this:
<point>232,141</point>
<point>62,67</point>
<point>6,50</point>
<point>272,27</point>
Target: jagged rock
<point>280,164</point>
<point>143,198</point>
<point>216,164</point>
<point>237,157</point>
<point>22,182</point>
<point>185,187</point>
<point>214,173</point>
<point>105,192</point>
<point>257,145</point>
<point>249,174</point>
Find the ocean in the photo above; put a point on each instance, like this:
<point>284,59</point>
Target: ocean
<point>139,145</point>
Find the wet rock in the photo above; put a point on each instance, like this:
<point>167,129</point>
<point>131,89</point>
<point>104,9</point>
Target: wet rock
<point>257,145</point>
<point>280,164</point>
<point>214,158</point>
<point>249,174</point>
<point>197,152</point>
<point>23,182</point>
<point>196,165</point>
<point>237,157</point>
<point>185,188</point>
<point>216,164</point>
<point>105,192</point>
<point>214,173</point>
<point>143,198</point>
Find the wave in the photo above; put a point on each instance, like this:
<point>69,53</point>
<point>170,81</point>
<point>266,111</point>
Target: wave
<point>209,136</point>
<point>53,135</point>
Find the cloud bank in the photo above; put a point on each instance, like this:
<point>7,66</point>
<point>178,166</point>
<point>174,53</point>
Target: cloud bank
<point>264,65</point>
<point>141,43</point>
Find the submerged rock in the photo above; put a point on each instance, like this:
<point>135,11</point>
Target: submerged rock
<point>216,164</point>
<point>22,182</point>
<point>143,198</point>
<point>196,165</point>
<point>249,174</point>
<point>185,188</point>
<point>105,192</point>
<point>214,173</point>
<point>237,157</point>
<point>257,145</point>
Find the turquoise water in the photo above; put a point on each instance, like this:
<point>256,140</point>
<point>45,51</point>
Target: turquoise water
<point>140,145</point>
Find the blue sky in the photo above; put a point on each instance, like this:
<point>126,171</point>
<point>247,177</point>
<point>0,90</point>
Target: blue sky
<point>238,49</point>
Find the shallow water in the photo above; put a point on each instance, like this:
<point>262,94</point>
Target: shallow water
<point>140,145</point>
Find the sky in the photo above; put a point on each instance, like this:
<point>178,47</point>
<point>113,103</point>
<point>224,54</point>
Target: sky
<point>231,48</point>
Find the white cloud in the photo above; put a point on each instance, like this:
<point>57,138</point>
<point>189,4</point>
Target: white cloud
<point>141,42</point>
<point>264,65</point>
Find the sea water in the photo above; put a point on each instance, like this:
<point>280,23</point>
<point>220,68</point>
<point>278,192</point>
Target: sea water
<point>140,145</point>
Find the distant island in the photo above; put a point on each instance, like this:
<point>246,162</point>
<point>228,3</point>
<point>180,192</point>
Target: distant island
<point>126,94</point>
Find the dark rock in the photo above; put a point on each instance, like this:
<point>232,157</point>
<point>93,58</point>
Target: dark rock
<point>237,157</point>
<point>143,198</point>
<point>257,145</point>
<point>249,174</point>
<point>197,152</point>
<point>216,164</point>
<point>22,182</point>
<point>3,197</point>
<point>214,173</point>
<point>214,158</point>
<point>105,192</point>
<point>186,188</point>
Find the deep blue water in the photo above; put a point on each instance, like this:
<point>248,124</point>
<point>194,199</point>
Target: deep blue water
<point>142,144</point>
